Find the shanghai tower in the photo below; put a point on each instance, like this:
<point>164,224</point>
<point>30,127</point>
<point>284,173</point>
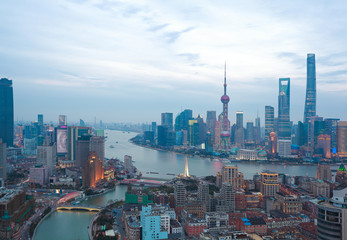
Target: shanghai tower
<point>310,102</point>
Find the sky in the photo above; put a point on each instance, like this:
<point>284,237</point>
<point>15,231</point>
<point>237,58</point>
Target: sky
<point>129,61</point>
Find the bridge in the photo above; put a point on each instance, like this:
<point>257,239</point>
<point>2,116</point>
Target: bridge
<point>79,208</point>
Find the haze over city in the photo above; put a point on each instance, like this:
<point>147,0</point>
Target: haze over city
<point>128,61</point>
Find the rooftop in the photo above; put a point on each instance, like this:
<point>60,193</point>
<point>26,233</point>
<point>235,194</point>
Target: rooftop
<point>133,222</point>
<point>8,194</point>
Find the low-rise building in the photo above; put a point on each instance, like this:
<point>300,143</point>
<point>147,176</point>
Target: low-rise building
<point>133,228</point>
<point>224,235</point>
<point>217,220</point>
<point>320,188</point>
<point>194,226</point>
<point>255,225</point>
<point>290,204</point>
<point>15,208</point>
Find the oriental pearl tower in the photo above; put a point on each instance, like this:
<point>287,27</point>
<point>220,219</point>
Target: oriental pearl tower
<point>224,143</point>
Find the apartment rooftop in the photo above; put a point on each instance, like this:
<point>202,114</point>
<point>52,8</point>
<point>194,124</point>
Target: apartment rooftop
<point>8,194</point>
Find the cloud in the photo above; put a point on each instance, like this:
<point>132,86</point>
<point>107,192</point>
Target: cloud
<point>171,37</point>
<point>176,48</point>
<point>158,27</point>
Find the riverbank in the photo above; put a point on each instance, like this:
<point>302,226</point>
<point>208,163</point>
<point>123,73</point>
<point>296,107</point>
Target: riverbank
<point>215,158</point>
<point>41,220</point>
<point>98,194</point>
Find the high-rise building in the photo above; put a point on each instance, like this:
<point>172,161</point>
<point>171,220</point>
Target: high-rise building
<point>239,131</point>
<point>182,120</point>
<point>231,174</point>
<point>227,195</point>
<point>310,102</point>
<point>342,138</point>
<point>311,126</point>
<point>154,129</point>
<point>62,120</point>
<point>331,129</point>
<point>82,123</point>
<point>40,123</point>
<point>269,183</point>
<point>250,132</point>
<point>272,143</point>
<point>301,137</point>
<point>167,120</point>
<point>209,143</point>
<point>203,191</point>
<point>193,133</point>
<point>82,150</point>
<point>3,160</point>
<point>323,145</point>
<point>257,134</point>
<point>97,144</point>
<point>224,141</point>
<point>269,121</point>
<point>211,119</point>
<point>284,130</point>
<point>332,215</point>
<point>239,119</point>
<point>180,194</point>
<point>323,172</point>
<point>202,129</point>
<point>154,225</point>
<point>284,147</point>
<point>73,133</point>
<point>47,155</point>
<point>92,171</point>
<point>6,111</point>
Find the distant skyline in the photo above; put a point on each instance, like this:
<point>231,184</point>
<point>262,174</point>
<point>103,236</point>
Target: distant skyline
<point>129,61</point>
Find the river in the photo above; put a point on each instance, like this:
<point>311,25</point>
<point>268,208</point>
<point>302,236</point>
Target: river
<point>73,225</point>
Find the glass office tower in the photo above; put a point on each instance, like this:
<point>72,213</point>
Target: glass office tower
<point>6,111</point>
<point>284,130</point>
<point>269,121</point>
<point>310,102</point>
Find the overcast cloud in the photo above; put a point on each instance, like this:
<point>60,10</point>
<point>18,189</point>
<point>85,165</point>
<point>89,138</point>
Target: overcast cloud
<point>128,61</point>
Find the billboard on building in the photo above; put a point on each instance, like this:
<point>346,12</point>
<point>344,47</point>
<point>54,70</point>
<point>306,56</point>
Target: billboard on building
<point>61,140</point>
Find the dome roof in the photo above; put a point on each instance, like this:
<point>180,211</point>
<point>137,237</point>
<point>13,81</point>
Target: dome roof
<point>342,168</point>
<point>225,99</point>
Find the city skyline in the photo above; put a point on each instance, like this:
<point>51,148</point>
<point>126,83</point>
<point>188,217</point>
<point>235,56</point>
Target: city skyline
<point>86,58</point>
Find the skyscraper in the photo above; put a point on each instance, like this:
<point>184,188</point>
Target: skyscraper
<point>224,143</point>
<point>269,183</point>
<point>250,132</point>
<point>3,160</point>
<point>284,131</point>
<point>269,121</point>
<point>167,120</point>
<point>331,129</point>
<point>62,120</point>
<point>310,102</point>
<point>257,134</point>
<point>6,111</point>
<point>73,133</point>
<point>180,193</point>
<point>211,122</point>
<point>182,120</point>
<point>342,138</point>
<point>92,171</point>
<point>193,132</point>
<point>47,155</point>
<point>239,119</point>
<point>239,131</point>
<point>40,124</point>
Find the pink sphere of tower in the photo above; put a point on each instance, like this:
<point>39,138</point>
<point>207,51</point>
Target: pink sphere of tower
<point>225,99</point>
